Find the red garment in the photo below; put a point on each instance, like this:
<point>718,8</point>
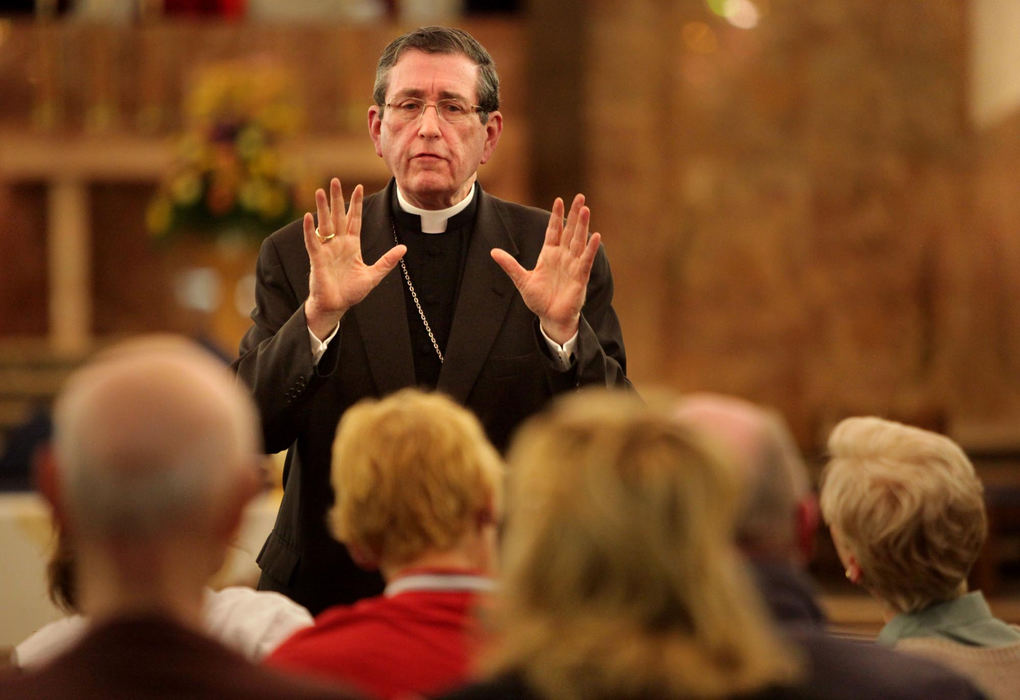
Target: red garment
<point>389,646</point>
<point>231,9</point>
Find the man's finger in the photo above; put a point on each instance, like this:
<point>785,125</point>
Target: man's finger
<point>354,212</point>
<point>579,234</point>
<point>572,216</point>
<point>588,257</point>
<point>336,205</point>
<point>388,261</point>
<point>308,226</point>
<point>555,228</point>
<point>322,213</point>
<point>517,274</point>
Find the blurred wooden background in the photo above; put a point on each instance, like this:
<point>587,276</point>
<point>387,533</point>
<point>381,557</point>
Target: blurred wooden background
<point>806,212</point>
<point>814,205</point>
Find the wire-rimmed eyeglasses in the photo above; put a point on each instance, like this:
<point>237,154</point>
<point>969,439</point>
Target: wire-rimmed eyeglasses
<point>449,109</point>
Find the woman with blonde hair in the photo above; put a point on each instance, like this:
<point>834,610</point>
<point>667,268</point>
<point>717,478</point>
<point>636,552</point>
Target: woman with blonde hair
<point>907,515</point>
<point>419,493</point>
<point>620,576</point>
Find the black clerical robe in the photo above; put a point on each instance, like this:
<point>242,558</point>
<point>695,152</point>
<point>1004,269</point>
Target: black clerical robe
<point>496,363</point>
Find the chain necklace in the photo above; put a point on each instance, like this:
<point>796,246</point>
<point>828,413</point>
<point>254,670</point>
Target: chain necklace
<point>414,298</point>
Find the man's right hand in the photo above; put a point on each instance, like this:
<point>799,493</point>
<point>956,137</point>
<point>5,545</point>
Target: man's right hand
<point>339,277</point>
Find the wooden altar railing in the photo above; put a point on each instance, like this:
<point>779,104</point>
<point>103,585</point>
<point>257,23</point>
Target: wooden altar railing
<point>93,104</point>
<point>68,166</point>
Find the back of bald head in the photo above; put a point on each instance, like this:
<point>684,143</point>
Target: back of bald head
<point>151,435</point>
<point>769,465</point>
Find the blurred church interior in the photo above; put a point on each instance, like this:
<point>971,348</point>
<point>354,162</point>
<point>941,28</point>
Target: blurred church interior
<point>814,205</point>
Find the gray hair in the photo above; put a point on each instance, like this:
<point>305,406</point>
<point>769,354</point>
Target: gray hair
<point>910,507</point>
<point>152,435</point>
<point>778,482</point>
<point>772,472</point>
<point>446,40</point>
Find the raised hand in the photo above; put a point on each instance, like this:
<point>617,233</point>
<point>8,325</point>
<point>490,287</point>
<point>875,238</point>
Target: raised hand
<point>555,289</point>
<point>339,277</point>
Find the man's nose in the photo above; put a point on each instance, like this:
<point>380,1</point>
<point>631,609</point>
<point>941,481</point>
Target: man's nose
<point>428,122</point>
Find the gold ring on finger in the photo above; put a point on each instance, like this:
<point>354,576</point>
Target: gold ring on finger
<point>324,239</point>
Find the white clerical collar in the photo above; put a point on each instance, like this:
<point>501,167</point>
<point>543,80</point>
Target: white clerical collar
<point>434,220</point>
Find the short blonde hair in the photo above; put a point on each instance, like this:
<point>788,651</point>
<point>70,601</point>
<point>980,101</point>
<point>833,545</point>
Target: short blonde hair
<point>621,577</point>
<point>410,473</point>
<point>909,506</point>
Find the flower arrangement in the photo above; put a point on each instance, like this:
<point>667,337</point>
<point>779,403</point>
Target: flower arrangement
<point>229,178</point>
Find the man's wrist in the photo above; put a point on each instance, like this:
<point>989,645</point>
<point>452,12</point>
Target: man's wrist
<point>560,333</point>
<point>321,324</point>
<point>562,353</point>
<point>319,347</point>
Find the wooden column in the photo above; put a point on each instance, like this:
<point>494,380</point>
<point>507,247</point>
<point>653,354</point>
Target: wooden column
<point>70,265</point>
<point>556,99</point>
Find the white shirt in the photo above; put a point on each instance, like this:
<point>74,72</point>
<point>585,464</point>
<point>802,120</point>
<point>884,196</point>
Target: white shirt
<point>250,622</point>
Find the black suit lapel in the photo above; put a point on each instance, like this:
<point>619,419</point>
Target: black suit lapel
<point>381,315</point>
<point>482,302</point>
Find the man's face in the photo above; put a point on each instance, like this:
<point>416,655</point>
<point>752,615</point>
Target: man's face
<point>434,161</point>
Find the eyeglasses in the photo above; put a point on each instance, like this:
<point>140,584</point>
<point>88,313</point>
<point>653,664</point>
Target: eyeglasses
<point>449,110</point>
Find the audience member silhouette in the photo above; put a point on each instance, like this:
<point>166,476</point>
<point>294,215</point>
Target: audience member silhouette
<point>907,515</point>
<point>775,530</point>
<point>418,495</point>
<point>153,461</point>
<point>620,576</point>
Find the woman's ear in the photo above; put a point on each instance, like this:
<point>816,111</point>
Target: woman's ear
<point>363,557</point>
<point>853,571</point>
<point>487,515</point>
<point>851,567</point>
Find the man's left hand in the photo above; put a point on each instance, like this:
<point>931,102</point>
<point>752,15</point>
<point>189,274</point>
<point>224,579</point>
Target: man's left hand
<point>555,289</point>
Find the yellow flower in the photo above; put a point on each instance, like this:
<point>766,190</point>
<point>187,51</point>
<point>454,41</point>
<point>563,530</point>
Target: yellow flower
<point>280,118</point>
<point>228,170</point>
<point>274,202</point>
<point>250,194</point>
<point>266,163</point>
<point>186,188</point>
<point>157,215</point>
<point>192,148</point>
<point>250,141</point>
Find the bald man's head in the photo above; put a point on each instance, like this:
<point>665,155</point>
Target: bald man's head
<point>152,435</point>
<point>769,465</point>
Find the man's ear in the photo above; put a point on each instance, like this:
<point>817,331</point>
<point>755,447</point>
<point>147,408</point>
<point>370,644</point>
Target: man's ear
<point>375,127</point>
<point>493,128</point>
<point>47,482</point>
